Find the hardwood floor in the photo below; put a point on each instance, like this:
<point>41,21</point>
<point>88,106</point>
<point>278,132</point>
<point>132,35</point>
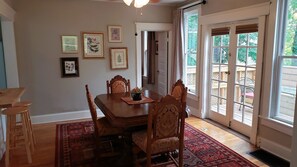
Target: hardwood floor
<point>44,155</point>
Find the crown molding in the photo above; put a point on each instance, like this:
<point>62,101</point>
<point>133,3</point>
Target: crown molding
<point>6,12</point>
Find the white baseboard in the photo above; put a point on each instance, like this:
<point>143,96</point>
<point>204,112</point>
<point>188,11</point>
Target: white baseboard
<point>276,149</point>
<point>66,116</point>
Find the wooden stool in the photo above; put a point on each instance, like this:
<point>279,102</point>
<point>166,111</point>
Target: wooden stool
<point>27,104</point>
<point>17,133</point>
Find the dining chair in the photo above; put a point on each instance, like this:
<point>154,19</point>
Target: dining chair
<point>103,129</point>
<point>180,91</point>
<point>165,131</point>
<point>118,84</point>
<point>246,86</point>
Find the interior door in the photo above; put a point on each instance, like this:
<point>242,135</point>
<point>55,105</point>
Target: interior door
<point>234,68</point>
<point>162,65</point>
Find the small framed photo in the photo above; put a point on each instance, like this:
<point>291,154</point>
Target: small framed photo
<point>114,33</point>
<point>118,58</point>
<point>69,44</point>
<point>69,67</point>
<point>93,45</point>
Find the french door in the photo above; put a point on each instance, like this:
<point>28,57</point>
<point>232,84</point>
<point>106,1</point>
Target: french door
<point>235,72</point>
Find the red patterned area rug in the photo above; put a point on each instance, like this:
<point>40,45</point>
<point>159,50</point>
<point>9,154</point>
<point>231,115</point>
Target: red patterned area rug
<point>75,145</point>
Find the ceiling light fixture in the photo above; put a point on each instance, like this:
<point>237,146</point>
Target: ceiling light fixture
<point>137,3</point>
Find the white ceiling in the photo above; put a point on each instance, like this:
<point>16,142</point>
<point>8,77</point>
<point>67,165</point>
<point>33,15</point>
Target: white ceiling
<point>162,2</point>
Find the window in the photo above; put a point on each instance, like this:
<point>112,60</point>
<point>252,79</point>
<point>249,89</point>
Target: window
<point>191,43</point>
<point>287,63</point>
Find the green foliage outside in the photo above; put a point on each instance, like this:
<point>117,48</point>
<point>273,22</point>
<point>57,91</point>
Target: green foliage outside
<point>246,52</point>
<point>291,34</point>
<point>192,39</point>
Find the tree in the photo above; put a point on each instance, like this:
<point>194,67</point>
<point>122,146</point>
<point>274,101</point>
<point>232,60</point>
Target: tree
<point>291,34</point>
<point>192,40</point>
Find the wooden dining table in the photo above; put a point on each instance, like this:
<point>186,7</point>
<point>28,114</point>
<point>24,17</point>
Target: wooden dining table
<point>9,96</point>
<point>124,115</point>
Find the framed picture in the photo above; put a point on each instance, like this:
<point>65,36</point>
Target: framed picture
<point>118,58</point>
<point>69,67</point>
<point>69,44</point>
<point>114,34</point>
<point>93,45</point>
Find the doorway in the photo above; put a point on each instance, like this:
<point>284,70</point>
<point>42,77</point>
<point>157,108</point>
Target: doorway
<point>165,28</point>
<point>155,61</point>
<point>235,74</point>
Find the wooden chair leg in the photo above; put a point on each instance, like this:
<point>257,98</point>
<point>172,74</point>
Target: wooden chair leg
<point>31,128</point>
<point>181,157</point>
<point>26,137</point>
<point>8,124</point>
<point>29,131</point>
<point>148,160</point>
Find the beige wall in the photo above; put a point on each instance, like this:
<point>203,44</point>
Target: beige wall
<point>38,29</point>
<point>9,2</point>
<point>213,6</point>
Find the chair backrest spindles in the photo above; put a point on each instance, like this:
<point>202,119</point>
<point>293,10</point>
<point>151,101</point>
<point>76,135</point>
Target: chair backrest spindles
<point>118,84</point>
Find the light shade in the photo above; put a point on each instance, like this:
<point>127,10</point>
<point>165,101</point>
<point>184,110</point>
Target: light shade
<point>137,3</point>
<point>128,2</point>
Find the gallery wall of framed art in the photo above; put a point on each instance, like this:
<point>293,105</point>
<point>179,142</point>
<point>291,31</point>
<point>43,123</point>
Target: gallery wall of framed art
<point>69,67</point>
<point>93,45</point>
<point>118,58</point>
<point>69,44</point>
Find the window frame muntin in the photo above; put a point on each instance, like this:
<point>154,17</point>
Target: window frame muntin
<point>186,12</point>
<point>282,13</point>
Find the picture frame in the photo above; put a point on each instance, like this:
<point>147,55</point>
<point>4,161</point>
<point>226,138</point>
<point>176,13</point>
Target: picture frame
<point>118,58</point>
<point>93,45</point>
<point>69,67</point>
<point>69,44</point>
<point>114,34</point>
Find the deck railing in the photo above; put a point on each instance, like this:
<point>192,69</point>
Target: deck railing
<point>288,82</point>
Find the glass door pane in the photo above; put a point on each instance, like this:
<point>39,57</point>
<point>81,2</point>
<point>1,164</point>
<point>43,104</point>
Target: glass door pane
<point>245,75</point>
<point>219,75</point>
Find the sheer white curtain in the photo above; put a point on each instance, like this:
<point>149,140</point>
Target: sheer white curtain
<point>178,45</point>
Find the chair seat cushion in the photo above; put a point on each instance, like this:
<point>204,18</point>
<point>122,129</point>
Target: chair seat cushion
<point>159,146</point>
<point>105,128</point>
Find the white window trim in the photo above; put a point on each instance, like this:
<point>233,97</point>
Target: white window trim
<point>251,12</point>
<point>272,72</point>
<point>277,125</point>
<point>245,13</point>
<point>194,95</point>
